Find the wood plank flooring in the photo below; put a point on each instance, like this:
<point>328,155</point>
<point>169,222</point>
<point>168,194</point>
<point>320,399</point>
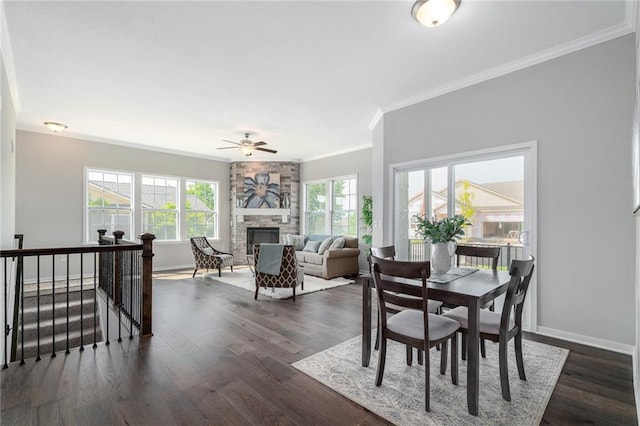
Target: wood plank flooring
<point>219,357</point>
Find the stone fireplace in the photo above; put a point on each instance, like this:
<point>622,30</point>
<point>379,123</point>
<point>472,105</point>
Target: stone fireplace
<point>285,218</point>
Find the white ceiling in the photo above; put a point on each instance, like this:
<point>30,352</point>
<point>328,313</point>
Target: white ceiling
<point>308,77</point>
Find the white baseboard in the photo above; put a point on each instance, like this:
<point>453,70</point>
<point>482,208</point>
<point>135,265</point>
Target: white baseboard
<point>168,268</point>
<point>587,340</point>
<point>636,389</point>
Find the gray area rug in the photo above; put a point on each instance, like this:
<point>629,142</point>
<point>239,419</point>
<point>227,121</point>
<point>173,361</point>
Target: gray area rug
<point>243,278</point>
<point>400,399</point>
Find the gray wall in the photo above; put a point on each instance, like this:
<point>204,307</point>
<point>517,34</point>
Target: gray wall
<point>356,162</point>
<point>7,161</point>
<point>578,107</point>
<point>50,185</point>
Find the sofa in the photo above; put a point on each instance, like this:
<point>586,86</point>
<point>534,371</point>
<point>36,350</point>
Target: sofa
<point>334,255</point>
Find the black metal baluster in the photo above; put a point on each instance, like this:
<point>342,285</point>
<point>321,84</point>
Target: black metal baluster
<point>122,267</point>
<point>53,305</point>
<point>22,313</point>
<point>133,265</point>
<point>67,351</point>
<point>38,307</point>
<point>95,302</point>
<point>6,324</point>
<point>81,303</point>
<point>110,294</point>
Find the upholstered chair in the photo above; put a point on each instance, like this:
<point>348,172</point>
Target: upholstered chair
<point>291,274</point>
<point>207,257</point>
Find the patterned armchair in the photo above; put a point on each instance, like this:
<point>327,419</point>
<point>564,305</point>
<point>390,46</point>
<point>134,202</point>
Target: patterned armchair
<point>206,257</point>
<point>291,274</point>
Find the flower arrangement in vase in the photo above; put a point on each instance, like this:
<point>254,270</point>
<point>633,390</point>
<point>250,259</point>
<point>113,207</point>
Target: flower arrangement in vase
<point>441,233</point>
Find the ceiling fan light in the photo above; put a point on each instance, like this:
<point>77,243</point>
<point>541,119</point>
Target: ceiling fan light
<point>432,13</point>
<point>247,150</point>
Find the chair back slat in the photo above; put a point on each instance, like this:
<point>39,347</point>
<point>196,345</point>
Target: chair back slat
<point>388,252</point>
<point>521,272</point>
<point>479,251</point>
<point>412,296</point>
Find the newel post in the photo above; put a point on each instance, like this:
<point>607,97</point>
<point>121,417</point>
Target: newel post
<point>147,277</point>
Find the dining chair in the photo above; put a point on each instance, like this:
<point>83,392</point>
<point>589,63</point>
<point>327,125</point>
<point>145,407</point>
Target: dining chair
<point>478,252</point>
<point>389,253</point>
<point>502,327</point>
<point>414,326</point>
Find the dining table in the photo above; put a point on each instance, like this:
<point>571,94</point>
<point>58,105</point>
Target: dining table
<point>473,291</point>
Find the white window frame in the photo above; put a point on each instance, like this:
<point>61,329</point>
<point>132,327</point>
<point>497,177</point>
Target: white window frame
<point>88,236</point>
<point>177,210</point>
<point>329,208</point>
<point>216,210</point>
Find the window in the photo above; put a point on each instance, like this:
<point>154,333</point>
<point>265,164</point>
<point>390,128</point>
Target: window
<point>108,202</point>
<point>160,207</point>
<point>331,207</point>
<point>201,209</point>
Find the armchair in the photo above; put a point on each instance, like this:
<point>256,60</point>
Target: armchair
<point>291,274</point>
<point>205,256</point>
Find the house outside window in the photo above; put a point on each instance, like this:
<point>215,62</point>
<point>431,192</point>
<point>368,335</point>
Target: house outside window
<point>201,209</point>
<point>331,207</point>
<point>160,207</point>
<point>108,203</point>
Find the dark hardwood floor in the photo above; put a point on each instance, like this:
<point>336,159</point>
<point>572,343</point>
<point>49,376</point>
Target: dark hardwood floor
<point>219,357</point>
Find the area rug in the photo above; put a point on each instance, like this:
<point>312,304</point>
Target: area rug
<point>400,399</point>
<point>243,278</point>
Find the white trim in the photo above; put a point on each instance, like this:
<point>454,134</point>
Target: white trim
<point>341,152</point>
<point>509,67</point>
<point>587,340</point>
<point>376,117</point>
<point>631,15</point>
<point>7,58</point>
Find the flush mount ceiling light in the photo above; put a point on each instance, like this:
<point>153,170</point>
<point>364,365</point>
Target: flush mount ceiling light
<point>432,13</point>
<point>56,127</point>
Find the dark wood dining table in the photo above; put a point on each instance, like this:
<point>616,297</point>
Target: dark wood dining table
<point>473,290</point>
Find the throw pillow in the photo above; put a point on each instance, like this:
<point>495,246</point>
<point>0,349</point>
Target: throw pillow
<point>208,251</point>
<point>312,246</point>
<point>295,241</point>
<point>338,243</point>
<point>324,246</point>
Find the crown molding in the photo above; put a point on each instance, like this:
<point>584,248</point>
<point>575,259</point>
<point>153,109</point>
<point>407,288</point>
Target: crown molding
<point>343,151</point>
<point>374,121</point>
<point>534,59</point>
<point>631,14</point>
<point>7,58</point>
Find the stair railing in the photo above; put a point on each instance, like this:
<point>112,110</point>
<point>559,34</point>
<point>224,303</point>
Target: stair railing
<point>87,272</point>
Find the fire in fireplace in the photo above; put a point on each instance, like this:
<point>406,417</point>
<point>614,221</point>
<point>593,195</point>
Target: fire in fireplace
<point>261,235</point>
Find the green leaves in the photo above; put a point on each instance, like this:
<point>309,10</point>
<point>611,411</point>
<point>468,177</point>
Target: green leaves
<point>443,230</point>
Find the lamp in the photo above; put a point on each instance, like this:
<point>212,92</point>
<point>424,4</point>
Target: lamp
<point>56,127</point>
<point>432,13</point>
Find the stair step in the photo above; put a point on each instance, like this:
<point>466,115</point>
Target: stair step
<point>31,299</point>
<point>46,347</point>
<point>30,331</point>
<point>47,310</point>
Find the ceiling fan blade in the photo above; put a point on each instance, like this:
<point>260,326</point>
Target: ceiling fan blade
<point>259,143</point>
<point>273,151</point>
<point>236,143</point>
<point>228,147</point>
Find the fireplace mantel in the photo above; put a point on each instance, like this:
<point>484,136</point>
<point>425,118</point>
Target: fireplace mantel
<point>241,213</point>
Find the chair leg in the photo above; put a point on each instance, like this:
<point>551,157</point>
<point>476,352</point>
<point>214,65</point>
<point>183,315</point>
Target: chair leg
<point>194,273</point>
<point>454,359</point>
<point>427,382</point>
<point>443,358</point>
<point>219,270</point>
<point>377,345</point>
<point>420,357</point>
<point>256,295</point>
<point>483,351</point>
<point>381,358</point>
<point>518,343</point>
<point>504,371</point>
<point>464,346</point>
<point>294,294</point>
<point>409,355</point>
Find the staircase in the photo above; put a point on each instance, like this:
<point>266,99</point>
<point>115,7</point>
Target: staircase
<point>81,326</point>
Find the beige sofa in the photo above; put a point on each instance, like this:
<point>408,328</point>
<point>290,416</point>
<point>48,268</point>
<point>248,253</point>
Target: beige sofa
<point>332,263</point>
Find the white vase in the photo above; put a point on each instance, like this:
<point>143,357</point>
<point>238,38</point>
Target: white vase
<point>442,256</point>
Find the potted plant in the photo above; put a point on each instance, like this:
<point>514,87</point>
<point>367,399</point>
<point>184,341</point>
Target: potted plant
<point>441,233</point>
<point>366,220</point>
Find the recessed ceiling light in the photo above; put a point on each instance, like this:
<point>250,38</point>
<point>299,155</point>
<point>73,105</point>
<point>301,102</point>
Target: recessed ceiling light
<point>56,127</point>
<point>432,13</point>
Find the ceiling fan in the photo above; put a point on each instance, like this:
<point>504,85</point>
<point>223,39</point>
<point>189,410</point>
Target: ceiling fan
<point>247,146</point>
